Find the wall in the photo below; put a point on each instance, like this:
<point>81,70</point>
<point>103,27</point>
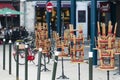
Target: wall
<point>29,17</point>
<point>22,16</point>
<point>82,6</point>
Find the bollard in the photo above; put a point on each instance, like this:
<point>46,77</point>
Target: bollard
<point>10,34</point>
<point>39,64</point>
<point>10,57</point>
<point>119,65</point>
<point>3,54</point>
<point>79,71</point>
<point>90,66</point>
<point>26,62</point>
<point>17,62</point>
<point>55,65</point>
<point>108,75</point>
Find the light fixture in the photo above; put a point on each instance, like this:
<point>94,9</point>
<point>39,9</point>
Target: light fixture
<point>22,0</point>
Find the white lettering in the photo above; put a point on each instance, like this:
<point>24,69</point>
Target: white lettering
<point>105,7</point>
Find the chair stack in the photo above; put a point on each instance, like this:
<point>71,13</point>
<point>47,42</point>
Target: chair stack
<point>42,40</point>
<point>60,46</point>
<point>106,45</point>
<point>77,45</point>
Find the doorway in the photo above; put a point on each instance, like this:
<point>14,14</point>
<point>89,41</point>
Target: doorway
<point>118,18</point>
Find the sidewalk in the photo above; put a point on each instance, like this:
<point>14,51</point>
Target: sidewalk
<point>4,75</point>
<point>70,70</point>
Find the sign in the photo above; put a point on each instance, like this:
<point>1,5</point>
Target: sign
<point>49,6</point>
<point>81,16</point>
<point>104,7</point>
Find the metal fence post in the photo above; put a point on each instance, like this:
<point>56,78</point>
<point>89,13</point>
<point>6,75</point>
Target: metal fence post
<point>26,62</point>
<point>79,71</point>
<point>90,65</point>
<point>17,62</point>
<point>3,54</point>
<point>39,64</point>
<point>10,63</point>
<point>55,65</point>
<point>108,75</point>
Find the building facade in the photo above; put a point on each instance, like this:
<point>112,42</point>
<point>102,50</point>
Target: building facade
<point>36,12</point>
<point>33,9</point>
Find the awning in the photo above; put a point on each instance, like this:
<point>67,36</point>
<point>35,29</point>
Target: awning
<point>6,5</point>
